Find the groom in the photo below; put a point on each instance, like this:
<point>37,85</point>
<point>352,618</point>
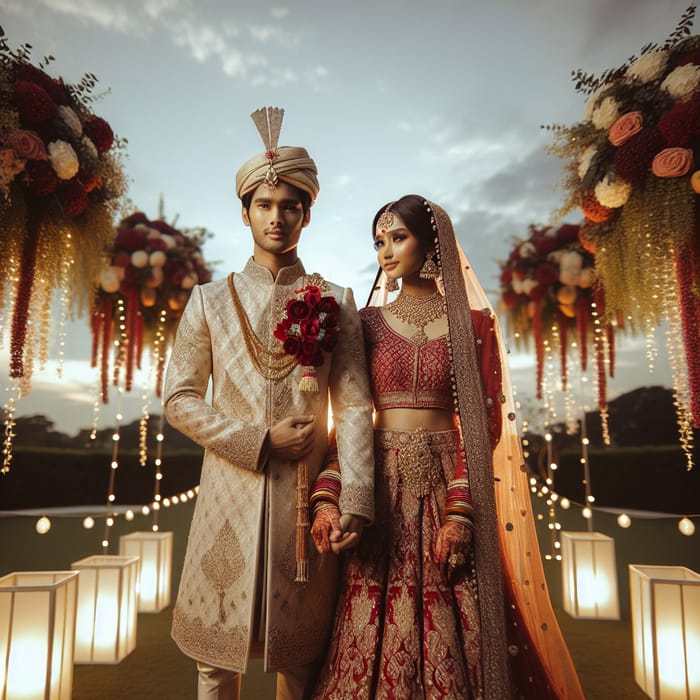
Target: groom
<point>251,584</point>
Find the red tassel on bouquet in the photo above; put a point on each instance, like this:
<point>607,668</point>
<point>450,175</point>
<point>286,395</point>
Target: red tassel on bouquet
<point>20,315</point>
<point>582,311</point>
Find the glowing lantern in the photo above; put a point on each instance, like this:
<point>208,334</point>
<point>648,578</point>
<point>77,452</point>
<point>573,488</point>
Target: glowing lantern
<point>105,630</point>
<point>155,551</point>
<point>589,575</point>
<point>37,632</point>
<point>665,612</point>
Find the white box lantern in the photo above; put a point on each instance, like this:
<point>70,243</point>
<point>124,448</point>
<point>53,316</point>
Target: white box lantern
<point>37,632</point>
<point>589,575</point>
<point>105,631</point>
<point>665,612</point>
<point>155,550</point>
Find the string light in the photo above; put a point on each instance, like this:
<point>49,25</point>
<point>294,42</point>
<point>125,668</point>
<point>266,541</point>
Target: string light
<point>43,525</point>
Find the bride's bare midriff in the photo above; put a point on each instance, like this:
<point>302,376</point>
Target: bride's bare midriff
<point>433,419</point>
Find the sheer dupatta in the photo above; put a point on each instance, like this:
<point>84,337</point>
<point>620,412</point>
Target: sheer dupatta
<point>505,541</point>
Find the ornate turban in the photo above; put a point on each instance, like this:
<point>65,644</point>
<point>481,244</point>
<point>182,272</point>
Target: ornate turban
<point>291,164</point>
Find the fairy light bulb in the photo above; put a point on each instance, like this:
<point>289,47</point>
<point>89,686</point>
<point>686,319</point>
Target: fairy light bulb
<point>43,525</point>
<point>564,503</point>
<point>587,513</point>
<point>624,520</point>
<point>686,527</point>
<point>88,522</point>
<point>129,515</point>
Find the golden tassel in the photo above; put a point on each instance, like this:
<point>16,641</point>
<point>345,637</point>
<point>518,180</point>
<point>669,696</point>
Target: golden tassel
<point>303,523</point>
<point>309,382</point>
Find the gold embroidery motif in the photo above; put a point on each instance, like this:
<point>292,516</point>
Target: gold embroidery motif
<point>419,464</point>
<point>222,564</point>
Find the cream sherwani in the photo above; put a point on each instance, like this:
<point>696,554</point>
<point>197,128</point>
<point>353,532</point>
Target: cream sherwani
<point>242,537</point>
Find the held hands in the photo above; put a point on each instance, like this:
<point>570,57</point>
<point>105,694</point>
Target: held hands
<point>332,532</point>
<point>452,547</point>
<point>292,437</point>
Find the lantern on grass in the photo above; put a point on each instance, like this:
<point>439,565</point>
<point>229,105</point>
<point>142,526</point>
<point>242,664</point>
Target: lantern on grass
<point>589,575</point>
<point>37,632</point>
<point>155,551</point>
<point>665,612</point>
<point>106,614</point>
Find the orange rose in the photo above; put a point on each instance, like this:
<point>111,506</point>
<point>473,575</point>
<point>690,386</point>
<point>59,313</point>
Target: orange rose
<point>627,125</point>
<point>672,162</point>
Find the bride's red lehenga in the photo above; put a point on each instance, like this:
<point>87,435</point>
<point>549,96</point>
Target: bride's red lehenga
<point>402,631</point>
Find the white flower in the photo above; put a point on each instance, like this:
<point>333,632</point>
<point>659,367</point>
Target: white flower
<point>71,120</point>
<point>682,82</point>
<point>157,258</point>
<point>611,192</point>
<point>586,277</point>
<point>90,147</point>
<point>529,284</point>
<point>605,114</point>
<point>109,279</point>
<point>648,67</point>
<point>63,159</point>
<point>592,101</point>
<point>517,285</point>
<point>570,268</point>
<point>527,250</point>
<point>585,161</point>
<point>139,258</point>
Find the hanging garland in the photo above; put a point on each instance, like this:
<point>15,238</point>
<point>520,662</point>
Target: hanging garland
<point>142,293</point>
<point>551,300</point>
<point>61,182</point>
<point>633,168</point>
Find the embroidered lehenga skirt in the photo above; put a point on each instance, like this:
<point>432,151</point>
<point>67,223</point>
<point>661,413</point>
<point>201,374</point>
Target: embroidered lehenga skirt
<point>401,630</point>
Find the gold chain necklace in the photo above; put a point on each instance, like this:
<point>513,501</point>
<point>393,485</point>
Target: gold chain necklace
<point>418,311</point>
<point>271,364</point>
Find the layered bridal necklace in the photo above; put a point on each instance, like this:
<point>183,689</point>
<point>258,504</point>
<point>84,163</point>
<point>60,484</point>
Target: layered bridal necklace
<point>418,311</point>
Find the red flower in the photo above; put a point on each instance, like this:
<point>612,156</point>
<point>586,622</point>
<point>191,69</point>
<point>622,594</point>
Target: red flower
<point>298,310</point>
<point>310,327</point>
<point>88,180</point>
<point>545,245</point>
<point>311,353</point>
<point>538,292</point>
<point>166,228</point>
<point>587,238</point>
<point>121,259</point>
<point>328,305</point>
<point>42,177</point>
<point>547,273</point>
<point>282,329</point>
<point>567,233</point>
<point>292,345</point>
<point>33,102</point>
<point>506,275</point>
<point>633,159</point>
<point>100,133</point>
<point>685,58</point>
<point>680,123</point>
<point>138,217</point>
<point>130,239</point>
<point>54,88</point>
<point>72,197</point>
<point>313,295</point>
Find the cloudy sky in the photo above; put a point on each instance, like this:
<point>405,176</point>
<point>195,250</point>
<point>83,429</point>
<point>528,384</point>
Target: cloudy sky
<point>440,97</point>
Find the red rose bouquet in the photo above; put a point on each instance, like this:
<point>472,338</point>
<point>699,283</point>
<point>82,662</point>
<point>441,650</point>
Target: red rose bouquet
<point>308,328</point>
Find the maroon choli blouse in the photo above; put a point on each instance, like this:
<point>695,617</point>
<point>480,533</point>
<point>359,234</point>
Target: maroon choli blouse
<point>404,374</point>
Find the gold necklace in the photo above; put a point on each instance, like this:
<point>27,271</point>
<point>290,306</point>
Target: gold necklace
<point>271,364</point>
<point>418,311</point>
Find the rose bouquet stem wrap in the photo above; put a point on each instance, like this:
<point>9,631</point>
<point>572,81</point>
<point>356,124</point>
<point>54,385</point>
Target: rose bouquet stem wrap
<point>20,315</point>
<point>302,554</point>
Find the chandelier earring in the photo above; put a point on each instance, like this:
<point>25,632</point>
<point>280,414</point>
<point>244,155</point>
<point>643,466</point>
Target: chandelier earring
<point>430,270</point>
<point>391,284</point>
